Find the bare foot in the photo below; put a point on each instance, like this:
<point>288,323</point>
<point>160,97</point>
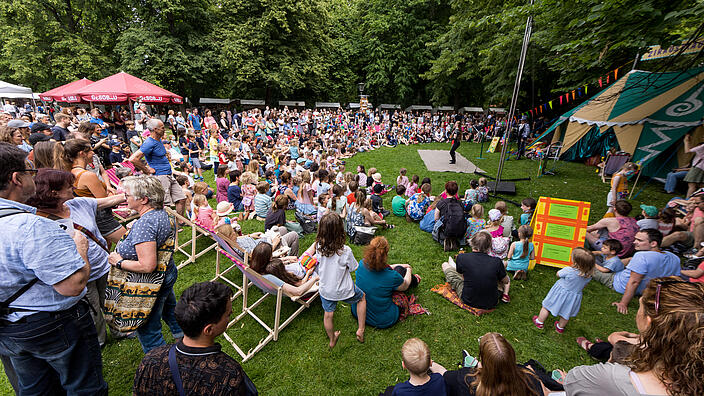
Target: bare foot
<point>335,336</point>
<point>360,336</point>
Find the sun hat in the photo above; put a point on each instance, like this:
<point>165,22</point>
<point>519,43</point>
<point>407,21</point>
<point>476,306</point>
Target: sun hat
<point>650,211</point>
<point>494,214</point>
<point>224,208</point>
<point>377,177</point>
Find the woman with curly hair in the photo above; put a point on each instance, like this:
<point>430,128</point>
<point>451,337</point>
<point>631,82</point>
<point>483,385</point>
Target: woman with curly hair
<point>335,262</point>
<point>668,360</point>
<point>382,285</point>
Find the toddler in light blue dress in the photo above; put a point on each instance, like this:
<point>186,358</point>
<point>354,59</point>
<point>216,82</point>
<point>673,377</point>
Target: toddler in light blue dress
<point>565,297</point>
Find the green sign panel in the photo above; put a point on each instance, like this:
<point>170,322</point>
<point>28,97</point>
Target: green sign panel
<point>555,252</point>
<point>559,231</point>
<point>566,211</point>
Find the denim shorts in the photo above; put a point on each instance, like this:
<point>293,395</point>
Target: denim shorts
<point>329,306</point>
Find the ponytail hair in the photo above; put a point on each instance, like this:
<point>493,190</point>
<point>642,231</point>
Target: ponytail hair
<point>66,153</point>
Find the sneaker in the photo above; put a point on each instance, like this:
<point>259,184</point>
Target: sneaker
<point>558,329</point>
<point>505,298</point>
<point>538,324</point>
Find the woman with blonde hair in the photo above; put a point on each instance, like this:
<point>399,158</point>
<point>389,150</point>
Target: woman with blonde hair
<point>669,358</point>
<point>496,374</point>
<point>381,282</point>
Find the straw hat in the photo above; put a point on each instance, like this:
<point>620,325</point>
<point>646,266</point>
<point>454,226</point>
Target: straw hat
<point>377,177</point>
<point>224,208</point>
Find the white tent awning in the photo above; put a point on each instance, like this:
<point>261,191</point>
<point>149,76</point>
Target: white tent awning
<point>214,101</point>
<point>292,103</point>
<point>472,110</point>
<point>8,90</point>
<point>334,105</point>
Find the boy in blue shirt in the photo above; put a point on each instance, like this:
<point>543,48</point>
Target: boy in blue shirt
<point>607,259</point>
<point>416,360</point>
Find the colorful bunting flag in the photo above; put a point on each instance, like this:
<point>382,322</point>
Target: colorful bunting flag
<point>616,74</point>
<point>585,89</point>
<point>560,100</point>
<point>607,78</point>
<point>550,102</point>
<point>600,83</point>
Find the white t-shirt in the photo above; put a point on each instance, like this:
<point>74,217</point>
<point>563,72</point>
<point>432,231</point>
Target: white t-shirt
<point>335,280</point>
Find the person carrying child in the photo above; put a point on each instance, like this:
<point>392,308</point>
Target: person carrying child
<point>565,297</point>
<point>335,263</point>
<point>520,253</point>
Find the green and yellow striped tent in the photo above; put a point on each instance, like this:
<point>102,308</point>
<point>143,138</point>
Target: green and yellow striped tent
<point>648,113</point>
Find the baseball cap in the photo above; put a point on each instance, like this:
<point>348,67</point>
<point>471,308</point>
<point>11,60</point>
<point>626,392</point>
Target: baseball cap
<point>650,211</point>
<point>17,124</point>
<point>40,126</point>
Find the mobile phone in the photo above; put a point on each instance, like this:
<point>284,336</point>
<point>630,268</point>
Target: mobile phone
<point>557,375</point>
<point>470,361</point>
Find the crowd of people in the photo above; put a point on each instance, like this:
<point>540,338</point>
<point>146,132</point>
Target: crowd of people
<point>56,198</point>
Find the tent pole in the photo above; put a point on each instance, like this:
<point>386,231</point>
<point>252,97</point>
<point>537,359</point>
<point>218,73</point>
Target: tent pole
<point>635,183</point>
<point>514,98</point>
<point>635,62</point>
<point>129,103</point>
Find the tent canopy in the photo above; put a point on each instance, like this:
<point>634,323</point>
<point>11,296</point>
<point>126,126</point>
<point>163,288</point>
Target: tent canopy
<point>66,92</point>
<point>122,86</point>
<point>329,105</point>
<point>8,90</point>
<point>648,112</point>
<point>471,110</point>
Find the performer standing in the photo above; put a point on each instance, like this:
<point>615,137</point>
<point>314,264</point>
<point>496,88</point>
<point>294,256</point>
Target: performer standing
<point>523,134</point>
<point>456,138</point>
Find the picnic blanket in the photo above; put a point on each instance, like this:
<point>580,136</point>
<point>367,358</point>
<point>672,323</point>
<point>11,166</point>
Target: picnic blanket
<point>446,291</point>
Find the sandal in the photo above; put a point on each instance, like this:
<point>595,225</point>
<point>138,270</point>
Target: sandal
<point>584,343</point>
<point>536,323</point>
<point>390,226</point>
<point>418,278</point>
<point>505,298</point>
<point>559,329</point>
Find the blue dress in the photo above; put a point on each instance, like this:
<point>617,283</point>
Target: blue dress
<point>565,297</point>
<point>516,263</point>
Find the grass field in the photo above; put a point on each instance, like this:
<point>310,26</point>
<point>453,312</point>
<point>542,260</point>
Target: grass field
<point>300,362</point>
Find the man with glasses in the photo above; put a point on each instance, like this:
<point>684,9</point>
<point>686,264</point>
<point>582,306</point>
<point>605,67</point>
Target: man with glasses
<point>647,263</point>
<point>47,336</point>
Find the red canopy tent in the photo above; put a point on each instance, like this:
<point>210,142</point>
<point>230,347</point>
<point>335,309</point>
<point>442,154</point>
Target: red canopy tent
<point>66,92</point>
<point>123,87</point>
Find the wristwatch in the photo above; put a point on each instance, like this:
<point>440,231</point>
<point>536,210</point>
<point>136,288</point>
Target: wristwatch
<point>118,264</point>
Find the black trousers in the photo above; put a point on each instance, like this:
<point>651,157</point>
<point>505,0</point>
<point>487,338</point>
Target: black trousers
<point>454,148</point>
<point>402,271</point>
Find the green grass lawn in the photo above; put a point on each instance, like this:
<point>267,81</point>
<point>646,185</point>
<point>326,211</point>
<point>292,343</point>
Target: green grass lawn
<point>300,361</point>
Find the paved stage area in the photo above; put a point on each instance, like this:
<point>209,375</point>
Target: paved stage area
<point>439,161</point>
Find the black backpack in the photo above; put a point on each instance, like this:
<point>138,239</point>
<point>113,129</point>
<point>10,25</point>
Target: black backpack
<point>454,219</point>
<point>309,226</point>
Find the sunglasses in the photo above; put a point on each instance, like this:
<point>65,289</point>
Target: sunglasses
<point>659,287</point>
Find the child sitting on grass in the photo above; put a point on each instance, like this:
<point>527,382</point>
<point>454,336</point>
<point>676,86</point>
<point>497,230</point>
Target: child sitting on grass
<point>335,262</point>
<point>378,201</point>
<point>471,195</point>
<point>398,204</point>
<point>650,217</point>
<point>565,297</point>
<point>475,222</point>
<point>520,253</point>
<point>482,190</point>
<point>402,179</point>
<point>322,206</point>
<point>507,220</point>
<point>418,203</point>
<point>607,259</point>
<point>415,358</point>
<point>413,186</point>
<point>528,207</point>
<point>262,201</point>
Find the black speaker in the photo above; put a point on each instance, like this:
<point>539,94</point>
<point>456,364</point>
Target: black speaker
<point>502,187</point>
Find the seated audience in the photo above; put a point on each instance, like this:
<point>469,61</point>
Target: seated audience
<point>621,227</point>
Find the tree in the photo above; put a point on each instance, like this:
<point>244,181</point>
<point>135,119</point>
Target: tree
<point>51,42</point>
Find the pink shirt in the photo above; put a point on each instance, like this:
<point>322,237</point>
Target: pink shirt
<point>205,216</point>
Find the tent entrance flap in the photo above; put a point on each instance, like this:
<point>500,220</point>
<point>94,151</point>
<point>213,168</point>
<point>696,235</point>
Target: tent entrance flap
<point>593,143</point>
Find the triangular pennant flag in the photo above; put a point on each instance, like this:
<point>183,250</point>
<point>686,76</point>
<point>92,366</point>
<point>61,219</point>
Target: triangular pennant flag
<point>600,83</point>
<point>580,91</point>
<point>607,78</point>
<point>531,113</point>
<point>541,109</point>
<point>616,74</point>
<point>560,100</point>
<point>585,89</point>
<point>573,94</point>
<point>567,95</point>
<point>550,102</point>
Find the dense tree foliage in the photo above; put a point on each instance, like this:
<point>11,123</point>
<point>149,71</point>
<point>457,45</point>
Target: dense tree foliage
<point>456,52</point>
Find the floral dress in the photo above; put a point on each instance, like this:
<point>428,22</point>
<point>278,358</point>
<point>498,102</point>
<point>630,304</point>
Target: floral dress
<point>416,209</point>
<point>474,226</point>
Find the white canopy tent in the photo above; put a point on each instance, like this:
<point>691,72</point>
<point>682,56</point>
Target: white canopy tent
<point>13,91</point>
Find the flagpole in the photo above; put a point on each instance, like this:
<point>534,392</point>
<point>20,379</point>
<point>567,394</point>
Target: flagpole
<point>514,97</point>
